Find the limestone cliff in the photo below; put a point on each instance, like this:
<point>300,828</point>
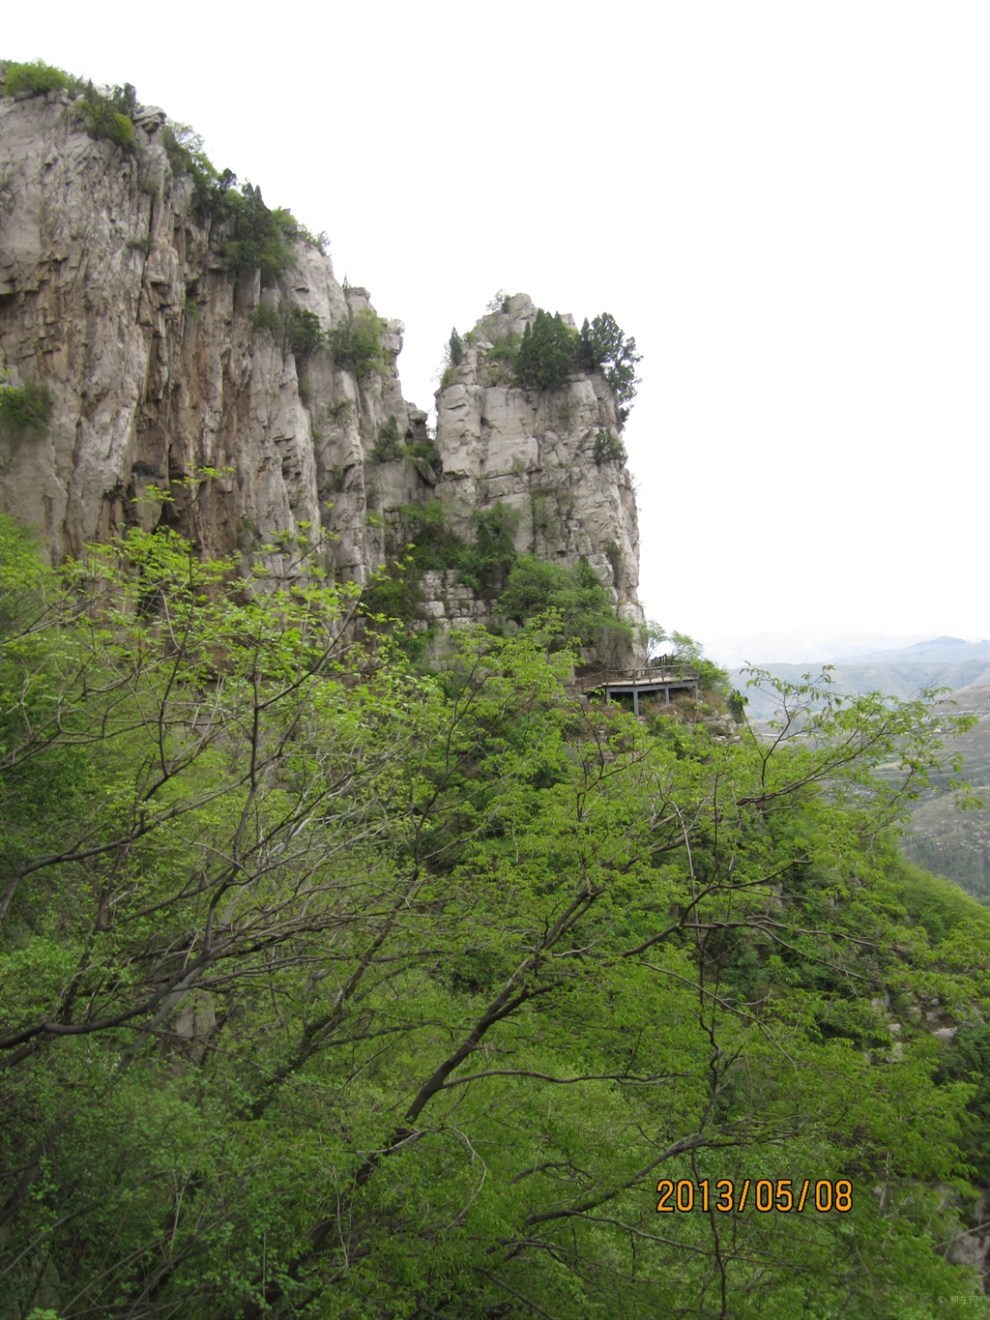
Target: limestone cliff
<point>160,351</point>
<point>552,455</point>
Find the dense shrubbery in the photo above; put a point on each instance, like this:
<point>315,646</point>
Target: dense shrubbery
<point>550,351</point>
<point>420,540</point>
<point>604,347</point>
<point>574,595</point>
<point>36,78</point>
<point>297,330</point>
<point>25,410</point>
<point>335,987</point>
<point>608,448</point>
<point>547,354</point>
<point>356,344</point>
<point>110,117</point>
<point>305,334</point>
<point>388,447</point>
<point>522,588</point>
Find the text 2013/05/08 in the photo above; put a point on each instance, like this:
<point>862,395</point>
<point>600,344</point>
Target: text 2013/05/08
<point>765,1195</point>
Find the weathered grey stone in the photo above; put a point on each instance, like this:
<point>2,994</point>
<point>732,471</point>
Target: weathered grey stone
<point>535,452</point>
<point>157,367</point>
<point>160,363</point>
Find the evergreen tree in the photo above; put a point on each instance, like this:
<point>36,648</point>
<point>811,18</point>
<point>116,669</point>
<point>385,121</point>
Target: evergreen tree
<point>547,353</point>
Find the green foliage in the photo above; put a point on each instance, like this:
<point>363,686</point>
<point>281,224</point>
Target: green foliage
<point>394,597</point>
<point>388,447</point>
<point>663,647</point>
<point>268,319</point>
<point>332,987</point>
<point>608,448</point>
<point>581,603</point>
<point>35,78</point>
<point>110,117</point>
<point>455,349</point>
<point>356,344</point>
<point>498,363</point>
<point>426,450</point>
<point>613,553</point>
<point>250,236</point>
<point>551,351</point>
<point>297,330</point>
<point>257,237</point>
<point>604,347</point>
<point>185,150</point>
<point>305,334</point>
<point>418,539</point>
<point>25,410</point>
<point>505,349</point>
<point>486,566</point>
<point>967,1059</point>
<point>736,704</point>
<point>547,354</point>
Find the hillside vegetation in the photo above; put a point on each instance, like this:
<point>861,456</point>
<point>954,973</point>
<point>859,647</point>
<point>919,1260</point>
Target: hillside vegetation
<point>942,837</point>
<point>335,986</point>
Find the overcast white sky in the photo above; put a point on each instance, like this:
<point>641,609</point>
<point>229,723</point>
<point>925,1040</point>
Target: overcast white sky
<point>787,204</point>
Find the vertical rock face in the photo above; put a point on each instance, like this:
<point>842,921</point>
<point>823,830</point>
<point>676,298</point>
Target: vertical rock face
<point>552,455</point>
<point>186,389</point>
<point>161,361</point>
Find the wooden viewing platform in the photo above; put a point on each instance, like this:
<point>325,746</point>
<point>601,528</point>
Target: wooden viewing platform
<point>640,682</point>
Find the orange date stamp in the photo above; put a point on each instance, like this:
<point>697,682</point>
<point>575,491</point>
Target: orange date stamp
<point>728,1196</point>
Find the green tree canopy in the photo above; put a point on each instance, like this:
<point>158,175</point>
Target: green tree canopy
<point>546,355</point>
<point>331,987</point>
<point>604,346</point>
<point>580,602</point>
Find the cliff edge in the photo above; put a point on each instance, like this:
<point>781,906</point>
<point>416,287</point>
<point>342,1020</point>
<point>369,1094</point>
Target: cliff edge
<point>173,352</point>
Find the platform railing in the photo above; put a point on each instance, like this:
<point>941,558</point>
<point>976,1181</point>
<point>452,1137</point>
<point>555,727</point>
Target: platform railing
<point>647,674</point>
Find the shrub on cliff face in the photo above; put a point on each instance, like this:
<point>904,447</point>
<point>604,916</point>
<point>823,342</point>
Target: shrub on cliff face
<point>582,603</point>
<point>551,350</point>
<point>35,79</point>
<point>604,347</point>
<point>304,332</point>
<point>257,234</point>
<point>217,197</point>
<point>24,409</point>
<point>608,448</point>
<point>110,117</point>
<point>547,354</point>
<point>388,447</point>
<point>356,344</point>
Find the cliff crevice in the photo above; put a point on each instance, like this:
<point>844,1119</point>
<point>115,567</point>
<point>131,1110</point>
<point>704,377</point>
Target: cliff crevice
<point>193,381</point>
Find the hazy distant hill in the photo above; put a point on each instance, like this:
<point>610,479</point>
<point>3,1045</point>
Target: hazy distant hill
<point>808,646</point>
<point>945,662</point>
<point>942,650</point>
<point>941,838</point>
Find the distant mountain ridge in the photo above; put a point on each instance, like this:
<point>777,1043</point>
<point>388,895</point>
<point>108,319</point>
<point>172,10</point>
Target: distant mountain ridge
<point>941,662</point>
<point>830,644</point>
<point>953,650</point>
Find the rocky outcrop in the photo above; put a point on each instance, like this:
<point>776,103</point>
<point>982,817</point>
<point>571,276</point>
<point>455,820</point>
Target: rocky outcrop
<point>554,456</point>
<point>162,363</point>
<point>185,387</point>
